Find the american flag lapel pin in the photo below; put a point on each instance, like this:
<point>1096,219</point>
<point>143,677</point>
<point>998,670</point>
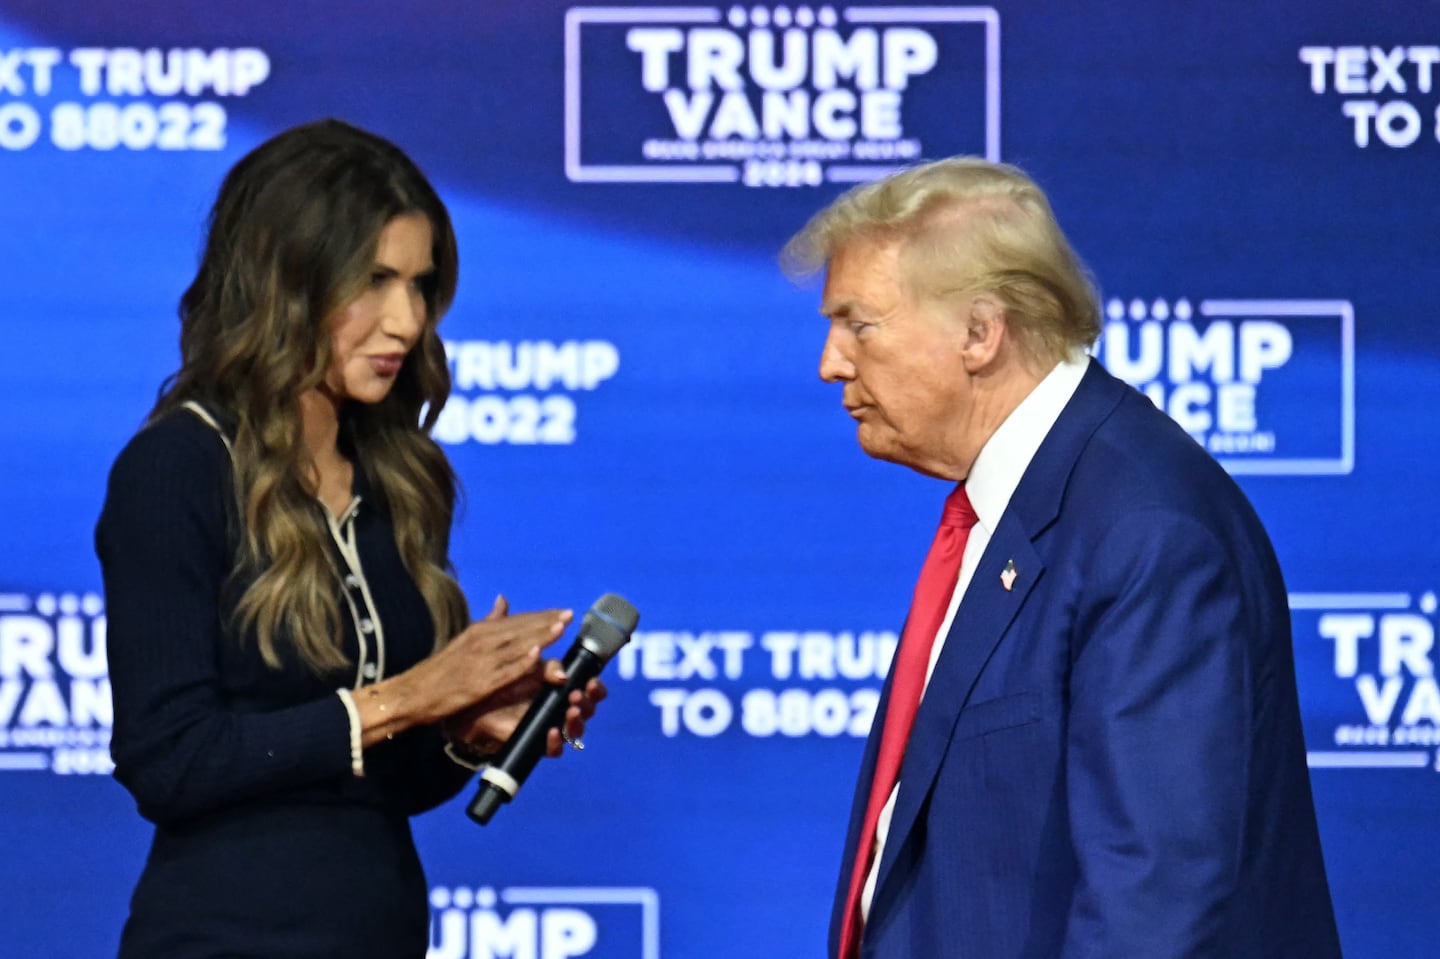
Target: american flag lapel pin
<point>1007,577</point>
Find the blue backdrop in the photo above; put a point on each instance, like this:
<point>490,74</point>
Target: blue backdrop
<point>637,409</point>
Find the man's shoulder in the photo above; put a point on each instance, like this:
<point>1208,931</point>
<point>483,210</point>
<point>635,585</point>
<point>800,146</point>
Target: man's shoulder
<point>1113,454</point>
<point>1136,442</point>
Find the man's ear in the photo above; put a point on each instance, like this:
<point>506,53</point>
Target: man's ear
<point>986,330</point>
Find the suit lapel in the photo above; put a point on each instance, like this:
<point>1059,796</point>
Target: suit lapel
<point>989,608</point>
<point>980,623</point>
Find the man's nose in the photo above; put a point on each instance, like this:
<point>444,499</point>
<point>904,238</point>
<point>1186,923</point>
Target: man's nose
<point>835,366</point>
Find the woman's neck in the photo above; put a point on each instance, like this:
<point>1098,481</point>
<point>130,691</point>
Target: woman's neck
<point>331,475</point>
<point>320,425</point>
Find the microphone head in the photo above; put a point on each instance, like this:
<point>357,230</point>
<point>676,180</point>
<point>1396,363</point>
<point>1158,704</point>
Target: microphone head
<point>608,624</point>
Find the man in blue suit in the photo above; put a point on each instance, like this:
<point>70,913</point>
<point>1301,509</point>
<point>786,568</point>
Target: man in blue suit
<point>1107,758</point>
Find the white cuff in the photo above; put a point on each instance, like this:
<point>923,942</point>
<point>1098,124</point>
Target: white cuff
<point>357,753</point>
<point>463,754</point>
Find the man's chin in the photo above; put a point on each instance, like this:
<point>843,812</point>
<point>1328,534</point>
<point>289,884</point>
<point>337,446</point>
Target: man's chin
<point>877,445</point>
<point>885,447</point>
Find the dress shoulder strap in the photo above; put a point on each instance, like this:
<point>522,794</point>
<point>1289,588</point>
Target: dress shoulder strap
<point>210,421</point>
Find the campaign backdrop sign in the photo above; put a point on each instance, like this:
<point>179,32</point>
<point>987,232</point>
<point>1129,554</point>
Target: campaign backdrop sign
<point>636,406</point>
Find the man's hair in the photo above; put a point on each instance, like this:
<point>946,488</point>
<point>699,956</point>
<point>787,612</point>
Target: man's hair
<point>966,225</point>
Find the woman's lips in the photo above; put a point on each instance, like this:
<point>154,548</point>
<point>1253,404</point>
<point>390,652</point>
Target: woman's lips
<point>388,365</point>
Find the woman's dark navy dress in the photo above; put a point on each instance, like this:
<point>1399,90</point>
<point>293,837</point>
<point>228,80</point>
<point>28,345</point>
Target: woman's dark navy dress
<point>266,842</point>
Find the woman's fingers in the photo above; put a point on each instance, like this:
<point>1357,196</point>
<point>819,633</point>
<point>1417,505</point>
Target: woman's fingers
<point>517,675</point>
<point>586,700</point>
<point>554,744</point>
<point>496,718</point>
<point>510,644</point>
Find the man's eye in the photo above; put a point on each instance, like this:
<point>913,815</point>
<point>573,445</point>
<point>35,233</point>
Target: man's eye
<point>378,280</point>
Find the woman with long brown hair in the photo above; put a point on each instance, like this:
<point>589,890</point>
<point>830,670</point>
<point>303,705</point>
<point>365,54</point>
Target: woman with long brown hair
<point>293,665</point>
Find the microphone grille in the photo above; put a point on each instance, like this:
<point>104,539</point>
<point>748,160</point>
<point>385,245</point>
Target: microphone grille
<point>608,624</point>
<point>618,610</point>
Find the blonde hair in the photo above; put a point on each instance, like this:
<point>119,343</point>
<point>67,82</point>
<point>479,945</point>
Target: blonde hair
<point>967,225</point>
<point>292,238</point>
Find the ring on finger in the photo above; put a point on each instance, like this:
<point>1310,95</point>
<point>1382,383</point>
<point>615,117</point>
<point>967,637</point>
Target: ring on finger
<point>575,744</point>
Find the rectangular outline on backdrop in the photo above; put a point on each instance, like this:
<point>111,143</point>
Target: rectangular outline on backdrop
<point>24,762</point>
<point>1344,464</point>
<point>577,172</point>
<point>647,899</point>
<point>20,760</point>
<point>1360,758</point>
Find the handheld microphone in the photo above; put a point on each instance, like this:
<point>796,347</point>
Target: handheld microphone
<point>605,627</point>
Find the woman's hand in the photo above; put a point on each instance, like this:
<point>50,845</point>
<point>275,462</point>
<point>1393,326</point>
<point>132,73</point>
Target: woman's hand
<point>486,660</point>
<point>489,724</point>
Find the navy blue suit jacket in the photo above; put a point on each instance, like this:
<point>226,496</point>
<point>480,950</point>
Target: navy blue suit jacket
<point>1108,759</point>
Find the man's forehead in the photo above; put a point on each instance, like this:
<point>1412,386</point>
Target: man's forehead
<point>865,248</point>
<point>860,271</point>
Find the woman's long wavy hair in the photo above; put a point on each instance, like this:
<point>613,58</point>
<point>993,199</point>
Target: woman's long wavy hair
<point>291,240</point>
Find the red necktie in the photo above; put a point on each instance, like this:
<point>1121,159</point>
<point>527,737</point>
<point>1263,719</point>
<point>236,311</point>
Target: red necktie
<point>933,591</point>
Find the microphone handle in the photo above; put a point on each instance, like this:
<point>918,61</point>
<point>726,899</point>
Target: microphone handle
<point>523,751</point>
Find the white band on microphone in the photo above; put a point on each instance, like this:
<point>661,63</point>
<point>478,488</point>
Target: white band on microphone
<point>501,780</point>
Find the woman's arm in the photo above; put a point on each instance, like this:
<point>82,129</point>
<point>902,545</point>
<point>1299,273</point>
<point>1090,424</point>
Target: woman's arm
<point>164,554</point>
